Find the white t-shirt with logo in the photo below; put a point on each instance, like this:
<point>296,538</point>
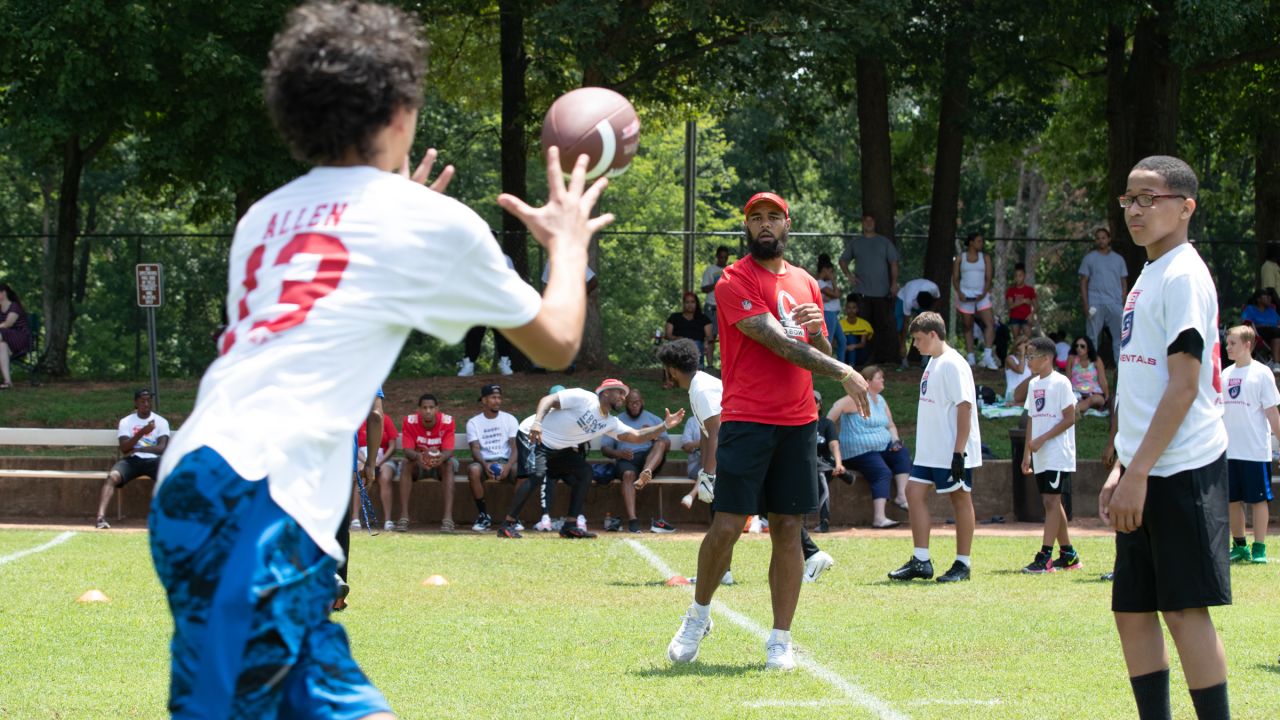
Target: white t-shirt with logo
<point>328,274</point>
<point>578,420</point>
<point>704,397</point>
<point>1173,294</point>
<point>1247,393</point>
<point>493,434</point>
<point>132,424</point>
<point>1046,399</point>
<point>946,383</point>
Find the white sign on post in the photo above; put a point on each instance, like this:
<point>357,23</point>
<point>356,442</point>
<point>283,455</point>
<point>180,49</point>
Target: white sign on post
<point>150,285</point>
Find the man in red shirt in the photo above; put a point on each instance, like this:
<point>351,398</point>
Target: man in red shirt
<point>1021,300</point>
<point>427,439</point>
<point>386,470</point>
<point>772,340</point>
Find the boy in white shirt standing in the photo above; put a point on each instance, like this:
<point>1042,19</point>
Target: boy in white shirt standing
<point>1050,453</point>
<point>1249,407</point>
<point>1169,503</point>
<point>948,416</point>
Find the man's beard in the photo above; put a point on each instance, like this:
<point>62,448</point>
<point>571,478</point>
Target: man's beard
<point>767,249</point>
<point>632,415</point>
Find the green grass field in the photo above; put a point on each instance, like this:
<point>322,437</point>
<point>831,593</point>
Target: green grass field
<point>548,628</point>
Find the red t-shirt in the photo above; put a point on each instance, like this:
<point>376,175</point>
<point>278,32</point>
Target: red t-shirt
<point>414,436</point>
<point>1022,312</point>
<point>759,386</point>
<point>388,433</point>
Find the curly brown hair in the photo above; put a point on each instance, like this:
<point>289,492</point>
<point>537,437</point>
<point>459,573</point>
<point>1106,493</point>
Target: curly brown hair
<point>336,73</point>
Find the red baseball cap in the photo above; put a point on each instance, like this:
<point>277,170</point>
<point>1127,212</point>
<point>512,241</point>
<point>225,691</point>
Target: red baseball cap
<point>767,197</point>
<point>611,384</point>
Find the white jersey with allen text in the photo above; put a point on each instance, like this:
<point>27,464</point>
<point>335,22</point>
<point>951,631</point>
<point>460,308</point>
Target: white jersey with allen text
<point>328,274</point>
<point>1173,294</point>
<point>946,383</point>
<point>1247,393</point>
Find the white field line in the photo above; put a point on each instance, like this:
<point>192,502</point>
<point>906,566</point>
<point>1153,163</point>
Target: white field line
<point>840,703</point>
<point>851,691</point>
<point>39,548</point>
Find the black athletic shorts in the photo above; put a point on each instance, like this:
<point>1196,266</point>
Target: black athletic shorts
<point>635,464</point>
<point>1054,482</point>
<point>540,462</point>
<point>134,467</point>
<point>1177,559</point>
<point>766,468</point>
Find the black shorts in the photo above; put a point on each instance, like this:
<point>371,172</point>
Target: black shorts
<point>1177,559</point>
<point>1054,482</point>
<point>767,468</point>
<point>134,467</point>
<point>635,464</point>
<point>539,462</point>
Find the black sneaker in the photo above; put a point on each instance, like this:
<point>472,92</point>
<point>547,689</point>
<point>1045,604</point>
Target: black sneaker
<point>1108,577</point>
<point>571,531</point>
<point>959,571</point>
<point>915,568</point>
<point>633,525</point>
<point>1068,562</point>
<point>102,524</point>
<point>1042,564</point>
<point>340,602</point>
<point>483,523</point>
<point>508,531</point>
<point>612,524</point>
<point>661,526</point>
<point>823,527</point>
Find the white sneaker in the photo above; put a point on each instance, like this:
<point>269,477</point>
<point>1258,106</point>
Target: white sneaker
<point>778,656</point>
<point>468,368</point>
<point>684,646</point>
<point>816,565</point>
<point>582,523</point>
<point>989,362</point>
<point>355,524</point>
<point>519,526</point>
<point>504,365</point>
<point>543,525</point>
<point>971,360</point>
<point>706,487</point>
<point>389,526</point>
<point>726,580</point>
<point>755,524</point>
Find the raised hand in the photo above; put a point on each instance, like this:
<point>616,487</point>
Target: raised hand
<point>424,171</point>
<point>566,217</point>
<point>673,419</point>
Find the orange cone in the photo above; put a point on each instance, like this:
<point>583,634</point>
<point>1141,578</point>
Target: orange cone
<point>675,580</point>
<point>93,596</point>
<point>435,580</point>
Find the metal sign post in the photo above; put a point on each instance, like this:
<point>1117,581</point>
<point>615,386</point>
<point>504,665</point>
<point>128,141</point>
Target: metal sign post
<point>150,278</point>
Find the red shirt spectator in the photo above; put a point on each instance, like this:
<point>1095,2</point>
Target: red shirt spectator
<point>416,436</point>
<point>388,434</point>
<point>752,371</point>
<point>1025,292</point>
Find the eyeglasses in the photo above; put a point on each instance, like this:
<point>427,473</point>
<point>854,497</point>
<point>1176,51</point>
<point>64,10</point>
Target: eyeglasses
<point>1144,200</point>
<point>1081,346</point>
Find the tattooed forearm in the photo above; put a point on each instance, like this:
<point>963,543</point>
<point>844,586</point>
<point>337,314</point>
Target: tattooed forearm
<point>766,330</point>
<point>820,342</point>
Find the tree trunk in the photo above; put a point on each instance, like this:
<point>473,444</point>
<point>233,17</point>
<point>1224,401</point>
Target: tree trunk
<point>1119,137</point>
<point>515,114</point>
<point>944,209</point>
<point>86,243</point>
<point>1266,184</point>
<point>874,144</point>
<point>60,264</point>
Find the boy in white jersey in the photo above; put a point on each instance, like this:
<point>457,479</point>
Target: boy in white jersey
<point>328,274</point>
<point>1169,503</point>
<point>1050,453</point>
<point>1249,412</point>
<point>948,449</point>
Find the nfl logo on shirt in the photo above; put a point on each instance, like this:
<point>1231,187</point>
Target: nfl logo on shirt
<point>1039,395</point>
<point>746,304</point>
<point>924,382</point>
<point>1233,387</point>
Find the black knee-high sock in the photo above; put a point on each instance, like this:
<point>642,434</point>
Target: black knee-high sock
<point>344,541</point>
<point>546,495</point>
<point>480,506</point>
<point>1151,691</point>
<point>1211,702</point>
<point>806,543</point>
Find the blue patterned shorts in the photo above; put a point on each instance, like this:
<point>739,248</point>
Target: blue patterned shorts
<point>250,594</point>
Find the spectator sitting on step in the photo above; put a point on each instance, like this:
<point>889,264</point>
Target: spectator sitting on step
<point>426,437</point>
<point>143,436</point>
<point>636,460</point>
<point>1261,314</point>
<point>858,333</point>
<point>872,446</point>
<point>15,332</point>
<point>1088,376</point>
<point>386,469</point>
<point>492,437</point>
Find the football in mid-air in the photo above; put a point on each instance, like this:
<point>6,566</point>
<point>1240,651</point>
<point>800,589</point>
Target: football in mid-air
<point>596,122</point>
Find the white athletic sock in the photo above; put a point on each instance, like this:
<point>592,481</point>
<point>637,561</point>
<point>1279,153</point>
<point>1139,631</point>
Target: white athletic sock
<point>779,636</point>
<point>702,611</point>
<point>964,559</point>
<point>582,522</point>
<point>546,518</point>
<point>986,353</point>
<point>922,554</point>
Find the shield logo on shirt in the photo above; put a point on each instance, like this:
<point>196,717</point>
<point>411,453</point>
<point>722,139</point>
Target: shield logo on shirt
<point>1126,328</point>
<point>746,304</point>
<point>1039,396</point>
<point>924,383</point>
<point>1233,388</point>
